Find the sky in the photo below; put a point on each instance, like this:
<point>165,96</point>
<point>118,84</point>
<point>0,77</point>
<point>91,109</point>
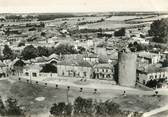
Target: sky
<point>39,6</point>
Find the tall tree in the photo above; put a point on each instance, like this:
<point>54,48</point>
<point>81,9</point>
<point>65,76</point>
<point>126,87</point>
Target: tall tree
<point>8,53</point>
<point>42,51</point>
<point>29,52</point>
<point>83,106</point>
<point>159,29</point>
<point>65,49</point>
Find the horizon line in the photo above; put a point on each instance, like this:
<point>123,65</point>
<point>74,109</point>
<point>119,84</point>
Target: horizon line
<point>128,11</point>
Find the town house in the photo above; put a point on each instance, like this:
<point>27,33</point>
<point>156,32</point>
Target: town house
<point>104,71</point>
<point>75,69</point>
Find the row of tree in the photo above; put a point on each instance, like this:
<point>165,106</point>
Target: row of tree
<point>30,51</point>
<point>134,47</point>
<point>88,108</point>
<point>91,22</point>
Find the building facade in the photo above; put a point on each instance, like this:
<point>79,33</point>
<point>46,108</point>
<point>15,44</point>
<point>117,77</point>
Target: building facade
<point>104,71</point>
<point>75,69</point>
<point>144,77</point>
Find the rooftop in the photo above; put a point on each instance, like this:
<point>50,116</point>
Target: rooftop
<point>74,62</point>
<point>153,69</point>
<point>148,55</point>
<point>107,66</point>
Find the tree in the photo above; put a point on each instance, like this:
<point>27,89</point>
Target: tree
<point>83,106</point>
<point>8,53</point>
<point>111,108</point>
<point>2,107</point>
<point>78,105</point>
<point>54,110</point>
<point>68,109</point>
<point>159,29</point>
<point>49,68</point>
<point>100,109</point>
<point>137,47</point>
<point>65,49</point>
<point>81,49</point>
<point>107,108</point>
<point>152,83</point>
<point>120,32</point>
<point>43,34</point>
<point>42,51</point>
<point>19,63</point>
<point>61,109</point>
<point>13,108</point>
<point>29,52</point>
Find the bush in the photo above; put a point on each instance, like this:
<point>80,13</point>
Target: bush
<point>61,109</point>
<point>120,32</point>
<point>49,68</point>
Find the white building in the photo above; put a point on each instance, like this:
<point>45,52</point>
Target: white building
<point>143,76</point>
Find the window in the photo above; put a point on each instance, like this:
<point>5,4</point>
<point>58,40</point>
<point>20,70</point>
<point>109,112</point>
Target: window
<point>84,73</point>
<point>27,74</point>
<point>163,75</point>
<point>106,70</point>
<point>155,76</point>
<point>34,74</point>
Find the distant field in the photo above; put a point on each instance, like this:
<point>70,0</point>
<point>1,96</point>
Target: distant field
<point>149,19</point>
<point>121,18</point>
<point>115,22</point>
<point>73,20</point>
<point>107,25</point>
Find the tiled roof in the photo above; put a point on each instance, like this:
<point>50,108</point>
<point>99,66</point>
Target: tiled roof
<point>34,67</point>
<point>147,54</point>
<point>53,56</point>
<point>107,66</point>
<point>153,69</point>
<point>75,63</point>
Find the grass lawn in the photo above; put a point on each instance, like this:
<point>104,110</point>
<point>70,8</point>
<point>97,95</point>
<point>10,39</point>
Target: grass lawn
<point>140,103</point>
<point>26,95</point>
